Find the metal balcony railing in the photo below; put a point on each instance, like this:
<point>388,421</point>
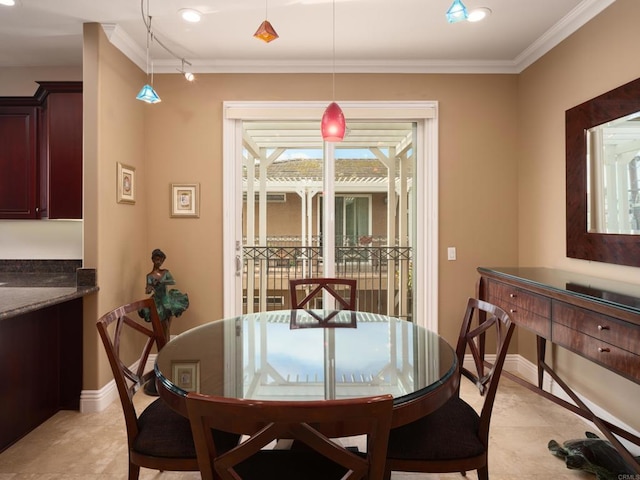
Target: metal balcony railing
<point>383,274</point>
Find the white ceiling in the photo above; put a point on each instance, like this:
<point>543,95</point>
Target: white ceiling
<point>409,36</point>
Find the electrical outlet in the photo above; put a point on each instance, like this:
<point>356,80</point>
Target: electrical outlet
<point>451,253</point>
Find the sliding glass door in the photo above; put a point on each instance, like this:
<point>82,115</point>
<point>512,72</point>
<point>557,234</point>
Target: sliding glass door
<point>287,179</point>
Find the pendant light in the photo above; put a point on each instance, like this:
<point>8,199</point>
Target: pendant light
<point>457,12</point>
<point>265,31</point>
<point>333,124</point>
<point>147,93</point>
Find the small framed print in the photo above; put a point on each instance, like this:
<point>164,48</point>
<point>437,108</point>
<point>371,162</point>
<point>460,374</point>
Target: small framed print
<point>185,200</point>
<point>126,184</point>
<point>186,375</point>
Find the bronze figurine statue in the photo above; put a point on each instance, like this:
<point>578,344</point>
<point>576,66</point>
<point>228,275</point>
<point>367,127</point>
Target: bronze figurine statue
<point>169,302</point>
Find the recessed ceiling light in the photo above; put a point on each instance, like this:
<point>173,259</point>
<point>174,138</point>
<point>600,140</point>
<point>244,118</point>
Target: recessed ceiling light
<point>478,14</point>
<point>8,3</point>
<point>190,15</point>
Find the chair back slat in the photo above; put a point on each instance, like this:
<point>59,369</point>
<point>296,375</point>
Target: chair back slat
<point>494,320</point>
<point>315,424</point>
<point>304,290</point>
<point>119,332</point>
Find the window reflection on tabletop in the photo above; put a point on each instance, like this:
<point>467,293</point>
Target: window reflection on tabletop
<point>260,356</point>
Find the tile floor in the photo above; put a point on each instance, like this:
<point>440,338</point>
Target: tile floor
<point>92,446</point>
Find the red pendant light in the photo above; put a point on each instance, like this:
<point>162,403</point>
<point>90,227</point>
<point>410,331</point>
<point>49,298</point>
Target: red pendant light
<point>333,123</point>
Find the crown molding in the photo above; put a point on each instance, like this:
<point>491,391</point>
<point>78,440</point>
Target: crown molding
<point>580,15</point>
<point>123,42</point>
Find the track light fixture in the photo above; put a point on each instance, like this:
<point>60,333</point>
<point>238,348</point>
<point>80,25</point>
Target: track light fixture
<point>187,73</point>
<point>147,93</point>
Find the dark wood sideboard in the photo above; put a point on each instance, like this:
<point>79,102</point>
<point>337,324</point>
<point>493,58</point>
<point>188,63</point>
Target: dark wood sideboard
<point>596,318</point>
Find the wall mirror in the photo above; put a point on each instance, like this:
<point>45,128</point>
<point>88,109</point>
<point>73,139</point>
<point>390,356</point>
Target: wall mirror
<point>602,182</point>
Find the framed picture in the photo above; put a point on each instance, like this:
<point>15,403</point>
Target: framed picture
<point>126,184</point>
<point>185,200</point>
<point>186,375</point>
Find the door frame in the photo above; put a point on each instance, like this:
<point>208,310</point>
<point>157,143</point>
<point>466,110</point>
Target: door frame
<point>424,113</point>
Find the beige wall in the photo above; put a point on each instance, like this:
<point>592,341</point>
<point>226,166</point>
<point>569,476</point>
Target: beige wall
<point>21,81</point>
<point>115,235</point>
<point>600,56</point>
<point>478,138</point>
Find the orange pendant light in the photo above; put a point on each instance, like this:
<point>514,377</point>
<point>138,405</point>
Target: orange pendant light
<point>266,32</point>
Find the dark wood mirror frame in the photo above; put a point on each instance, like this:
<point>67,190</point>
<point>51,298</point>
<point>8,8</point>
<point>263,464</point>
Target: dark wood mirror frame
<point>599,247</point>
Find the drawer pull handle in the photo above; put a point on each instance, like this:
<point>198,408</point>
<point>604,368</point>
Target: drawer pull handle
<point>513,295</point>
<point>603,327</point>
<point>512,310</point>
<point>603,349</point>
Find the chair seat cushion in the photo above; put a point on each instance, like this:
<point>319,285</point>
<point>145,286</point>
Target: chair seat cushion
<point>448,433</point>
<point>289,465</point>
<point>165,433</point>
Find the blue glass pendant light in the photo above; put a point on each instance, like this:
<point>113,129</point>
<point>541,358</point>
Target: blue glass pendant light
<point>148,94</point>
<point>457,12</point>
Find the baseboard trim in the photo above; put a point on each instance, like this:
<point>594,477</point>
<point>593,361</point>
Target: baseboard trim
<point>94,401</point>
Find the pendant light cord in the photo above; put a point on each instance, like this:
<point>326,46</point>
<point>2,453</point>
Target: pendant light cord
<point>333,76</point>
<point>148,46</point>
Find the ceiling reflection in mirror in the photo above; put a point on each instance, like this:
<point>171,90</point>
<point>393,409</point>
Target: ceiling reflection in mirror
<point>613,176</point>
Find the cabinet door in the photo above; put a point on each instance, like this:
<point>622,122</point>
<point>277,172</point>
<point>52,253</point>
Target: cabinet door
<point>64,155</point>
<point>18,155</point>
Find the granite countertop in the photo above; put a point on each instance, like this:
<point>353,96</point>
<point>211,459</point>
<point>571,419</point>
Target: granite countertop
<point>28,286</point>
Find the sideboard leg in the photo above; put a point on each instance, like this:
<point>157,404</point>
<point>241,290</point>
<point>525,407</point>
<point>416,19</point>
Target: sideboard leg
<point>541,347</point>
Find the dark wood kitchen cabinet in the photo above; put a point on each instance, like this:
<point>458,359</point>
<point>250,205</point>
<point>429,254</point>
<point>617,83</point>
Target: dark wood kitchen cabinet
<point>41,146</point>
<point>41,367</point>
<point>18,161</point>
<point>61,158</point>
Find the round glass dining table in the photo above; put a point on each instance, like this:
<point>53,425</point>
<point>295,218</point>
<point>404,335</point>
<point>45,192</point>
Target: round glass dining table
<point>299,355</point>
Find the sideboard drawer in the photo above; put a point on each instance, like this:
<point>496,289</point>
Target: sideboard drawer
<point>603,353</point>
<point>526,309</point>
<point>602,327</point>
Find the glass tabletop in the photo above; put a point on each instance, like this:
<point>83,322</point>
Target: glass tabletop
<point>306,355</point>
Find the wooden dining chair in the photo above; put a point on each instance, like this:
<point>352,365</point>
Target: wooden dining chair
<point>455,438</point>
<point>316,425</point>
<point>158,438</point>
<point>305,292</point>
